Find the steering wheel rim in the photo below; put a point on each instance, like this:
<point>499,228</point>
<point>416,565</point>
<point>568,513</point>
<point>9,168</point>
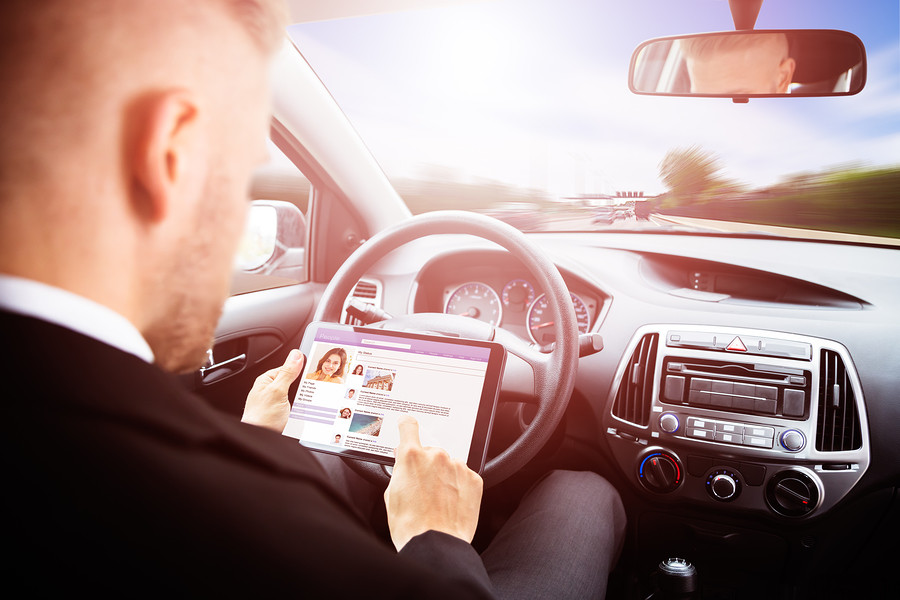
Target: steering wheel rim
<point>553,372</point>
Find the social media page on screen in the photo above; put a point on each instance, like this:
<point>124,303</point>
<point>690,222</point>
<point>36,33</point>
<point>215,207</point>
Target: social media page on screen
<point>357,385</point>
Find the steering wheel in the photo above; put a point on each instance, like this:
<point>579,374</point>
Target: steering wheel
<point>546,378</point>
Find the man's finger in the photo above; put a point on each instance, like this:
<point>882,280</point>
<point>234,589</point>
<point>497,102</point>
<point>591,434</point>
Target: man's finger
<point>409,432</point>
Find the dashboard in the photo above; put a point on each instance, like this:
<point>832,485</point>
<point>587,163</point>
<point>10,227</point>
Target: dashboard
<point>742,377</point>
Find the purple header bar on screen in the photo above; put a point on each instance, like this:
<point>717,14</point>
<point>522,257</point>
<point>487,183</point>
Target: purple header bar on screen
<point>384,342</point>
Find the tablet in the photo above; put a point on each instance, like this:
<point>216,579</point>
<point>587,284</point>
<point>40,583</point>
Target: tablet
<point>358,382</point>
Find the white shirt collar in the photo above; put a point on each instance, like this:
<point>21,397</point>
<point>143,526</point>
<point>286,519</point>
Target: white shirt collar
<point>55,305</point>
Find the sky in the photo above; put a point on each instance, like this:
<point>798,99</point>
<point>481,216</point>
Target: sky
<point>534,93</point>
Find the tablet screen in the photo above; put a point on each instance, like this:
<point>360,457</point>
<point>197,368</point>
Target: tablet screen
<point>358,382</point>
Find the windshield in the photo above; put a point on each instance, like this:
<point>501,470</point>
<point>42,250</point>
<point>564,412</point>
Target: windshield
<point>521,109</point>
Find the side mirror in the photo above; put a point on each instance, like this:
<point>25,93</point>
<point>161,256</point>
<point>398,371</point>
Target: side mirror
<point>750,64</point>
<point>274,241</point>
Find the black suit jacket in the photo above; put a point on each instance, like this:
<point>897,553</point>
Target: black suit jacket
<point>116,480</point>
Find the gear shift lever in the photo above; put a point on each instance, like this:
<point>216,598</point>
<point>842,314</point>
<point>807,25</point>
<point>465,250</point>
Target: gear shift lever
<point>675,579</point>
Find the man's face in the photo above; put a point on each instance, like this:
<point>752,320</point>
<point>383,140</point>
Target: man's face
<point>237,115</point>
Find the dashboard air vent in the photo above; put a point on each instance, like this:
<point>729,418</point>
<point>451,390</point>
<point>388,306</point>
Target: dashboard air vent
<point>365,291</point>
<point>635,393</point>
<point>838,426</point>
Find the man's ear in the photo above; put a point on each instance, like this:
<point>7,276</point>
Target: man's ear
<point>167,136</point>
<point>785,75</point>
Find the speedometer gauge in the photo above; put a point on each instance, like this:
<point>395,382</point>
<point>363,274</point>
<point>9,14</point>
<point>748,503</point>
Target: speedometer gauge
<point>517,295</point>
<point>476,300</point>
<point>541,319</point>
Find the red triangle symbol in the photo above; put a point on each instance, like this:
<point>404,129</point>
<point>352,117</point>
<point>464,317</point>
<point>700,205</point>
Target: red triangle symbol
<point>737,345</point>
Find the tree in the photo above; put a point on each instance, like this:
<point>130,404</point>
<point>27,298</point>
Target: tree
<point>689,173</point>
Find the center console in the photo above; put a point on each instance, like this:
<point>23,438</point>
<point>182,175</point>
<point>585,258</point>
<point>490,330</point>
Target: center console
<point>749,419</point>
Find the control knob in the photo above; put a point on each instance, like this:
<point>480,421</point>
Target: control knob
<point>723,485</point>
<point>793,440</point>
<point>668,422</point>
<point>792,493</point>
<point>660,472</point>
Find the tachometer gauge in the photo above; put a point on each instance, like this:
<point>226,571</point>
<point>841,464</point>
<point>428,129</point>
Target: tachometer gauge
<point>541,319</point>
<point>517,295</point>
<point>476,300</point>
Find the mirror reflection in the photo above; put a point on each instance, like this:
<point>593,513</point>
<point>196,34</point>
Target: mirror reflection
<point>258,242</point>
<point>751,63</point>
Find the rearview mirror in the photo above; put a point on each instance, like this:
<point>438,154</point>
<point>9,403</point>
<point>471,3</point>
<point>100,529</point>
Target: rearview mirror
<point>750,64</point>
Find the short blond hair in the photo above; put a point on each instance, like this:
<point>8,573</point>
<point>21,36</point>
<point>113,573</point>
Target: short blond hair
<point>60,58</point>
<point>264,20</point>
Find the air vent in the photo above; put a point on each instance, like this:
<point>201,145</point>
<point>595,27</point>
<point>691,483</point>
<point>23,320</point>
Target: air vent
<point>367,291</point>
<point>636,389</point>
<point>838,426</point>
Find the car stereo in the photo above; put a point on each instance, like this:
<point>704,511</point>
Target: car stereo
<point>758,419</point>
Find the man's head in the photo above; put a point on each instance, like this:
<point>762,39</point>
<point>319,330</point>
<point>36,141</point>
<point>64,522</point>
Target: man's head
<point>130,131</point>
<point>739,64</point>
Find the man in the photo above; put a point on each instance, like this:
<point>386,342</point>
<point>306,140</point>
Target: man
<point>130,129</point>
<point>736,63</point>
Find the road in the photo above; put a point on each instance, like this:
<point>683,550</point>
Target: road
<point>580,220</point>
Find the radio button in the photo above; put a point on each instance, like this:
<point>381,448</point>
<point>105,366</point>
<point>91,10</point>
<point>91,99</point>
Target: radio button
<point>721,400</point>
<point>701,385</point>
<point>767,391</point>
<point>757,431</point>
<point>729,438</point>
<point>766,406</point>
<point>699,398</point>
<point>702,434</point>
<point>674,391</point>
<point>744,389</point>
<point>794,403</point>
<point>695,423</point>
<point>694,339</point>
<point>722,387</point>
<point>730,428</point>
<point>744,403</point>
<point>757,442</point>
<point>778,348</point>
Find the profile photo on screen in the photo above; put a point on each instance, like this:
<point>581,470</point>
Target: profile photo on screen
<point>330,367</point>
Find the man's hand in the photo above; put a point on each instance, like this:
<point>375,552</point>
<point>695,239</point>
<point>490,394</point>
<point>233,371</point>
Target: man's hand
<point>429,490</point>
<point>267,403</point>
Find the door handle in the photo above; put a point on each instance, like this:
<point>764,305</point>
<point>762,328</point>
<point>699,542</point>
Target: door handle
<point>236,362</point>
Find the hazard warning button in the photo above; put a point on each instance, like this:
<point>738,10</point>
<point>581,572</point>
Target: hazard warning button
<point>736,345</point>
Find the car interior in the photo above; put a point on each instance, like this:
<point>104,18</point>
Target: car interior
<point>737,383</point>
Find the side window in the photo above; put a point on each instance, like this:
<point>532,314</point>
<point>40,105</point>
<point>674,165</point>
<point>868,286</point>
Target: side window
<point>274,242</point>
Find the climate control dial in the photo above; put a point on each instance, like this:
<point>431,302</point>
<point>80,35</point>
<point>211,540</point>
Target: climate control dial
<point>723,485</point>
<point>660,472</point>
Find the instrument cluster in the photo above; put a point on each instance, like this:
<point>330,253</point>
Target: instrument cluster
<point>515,304</point>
